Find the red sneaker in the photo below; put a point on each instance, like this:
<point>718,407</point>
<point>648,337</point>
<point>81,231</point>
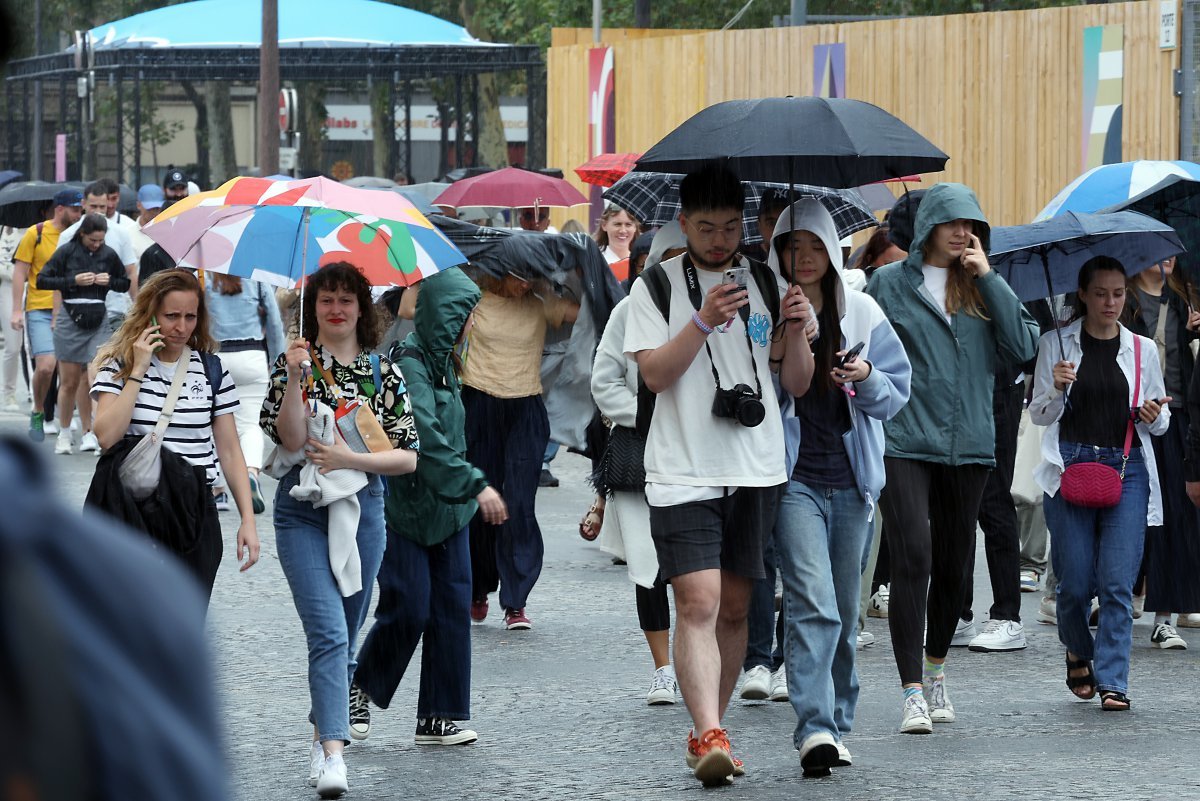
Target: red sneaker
<point>515,620</point>
<point>739,767</point>
<point>710,758</point>
<point>479,610</point>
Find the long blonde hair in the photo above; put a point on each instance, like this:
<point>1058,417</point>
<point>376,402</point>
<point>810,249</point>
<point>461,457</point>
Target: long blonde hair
<point>145,308</point>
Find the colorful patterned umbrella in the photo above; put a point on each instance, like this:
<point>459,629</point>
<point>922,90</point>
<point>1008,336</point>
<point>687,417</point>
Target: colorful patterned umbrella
<point>607,168</point>
<point>281,231</point>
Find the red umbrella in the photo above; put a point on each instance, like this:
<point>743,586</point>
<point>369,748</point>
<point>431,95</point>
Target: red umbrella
<point>607,168</point>
<point>512,188</point>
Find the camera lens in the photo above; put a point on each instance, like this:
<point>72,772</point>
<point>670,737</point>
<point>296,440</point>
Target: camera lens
<point>751,412</point>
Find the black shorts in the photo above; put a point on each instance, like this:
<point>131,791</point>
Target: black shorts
<point>719,534</point>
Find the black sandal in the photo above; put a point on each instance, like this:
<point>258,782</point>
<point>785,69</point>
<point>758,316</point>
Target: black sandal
<point>1074,683</point>
<point>1120,700</point>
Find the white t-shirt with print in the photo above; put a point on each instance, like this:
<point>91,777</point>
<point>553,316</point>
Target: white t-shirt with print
<point>189,433</point>
<point>688,447</point>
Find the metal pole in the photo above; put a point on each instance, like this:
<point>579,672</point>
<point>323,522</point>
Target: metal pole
<point>598,19</point>
<point>268,90</point>
<point>474,120</point>
<point>120,127</point>
<point>137,128</point>
<point>63,128</point>
<point>35,171</point>
<point>459,133</point>
<point>391,126</point>
<point>1187,69</point>
<point>408,127</point>
<point>799,12</point>
<point>25,125</point>
<point>9,127</point>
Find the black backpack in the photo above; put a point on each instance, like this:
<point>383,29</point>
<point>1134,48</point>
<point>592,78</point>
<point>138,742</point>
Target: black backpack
<point>660,292</point>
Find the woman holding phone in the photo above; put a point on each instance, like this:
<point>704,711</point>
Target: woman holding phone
<point>861,378</point>
<point>1093,392</point>
<point>955,317</point>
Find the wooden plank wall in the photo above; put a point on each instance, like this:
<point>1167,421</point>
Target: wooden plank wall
<point>1001,93</point>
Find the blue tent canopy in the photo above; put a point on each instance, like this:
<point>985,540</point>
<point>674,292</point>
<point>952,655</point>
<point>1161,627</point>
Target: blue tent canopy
<point>302,23</point>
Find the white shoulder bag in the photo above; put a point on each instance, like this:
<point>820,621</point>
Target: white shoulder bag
<point>142,468</point>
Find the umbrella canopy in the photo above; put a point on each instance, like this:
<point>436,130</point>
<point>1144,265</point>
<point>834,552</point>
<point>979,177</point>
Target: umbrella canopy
<point>370,182</point>
<point>653,198</point>
<point>1042,259</point>
<point>23,203</point>
<point>1110,184</point>
<point>607,168</point>
<point>511,187</point>
<point>281,231</point>
<point>8,176</point>
<point>811,140</point>
<point>1175,200</point>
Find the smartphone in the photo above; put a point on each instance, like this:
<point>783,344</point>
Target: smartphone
<point>851,354</point>
<point>739,276</point>
<point>154,322</point>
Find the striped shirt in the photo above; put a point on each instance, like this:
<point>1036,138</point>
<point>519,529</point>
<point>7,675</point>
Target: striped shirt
<point>189,433</point>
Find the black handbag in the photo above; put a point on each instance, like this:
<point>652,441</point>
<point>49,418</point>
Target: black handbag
<point>86,316</point>
<point>622,468</point>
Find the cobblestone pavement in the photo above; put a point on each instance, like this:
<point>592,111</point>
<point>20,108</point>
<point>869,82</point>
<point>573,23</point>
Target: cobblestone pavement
<point>561,710</point>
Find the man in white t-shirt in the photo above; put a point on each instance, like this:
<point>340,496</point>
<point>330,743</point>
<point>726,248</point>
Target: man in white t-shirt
<point>715,448</point>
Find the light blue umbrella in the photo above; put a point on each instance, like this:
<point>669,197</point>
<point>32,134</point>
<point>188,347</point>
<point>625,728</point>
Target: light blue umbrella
<point>1043,259</point>
<point>1110,184</point>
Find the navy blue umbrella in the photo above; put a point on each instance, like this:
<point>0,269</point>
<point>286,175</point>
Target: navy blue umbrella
<point>8,176</point>
<point>1042,259</point>
<point>1175,200</point>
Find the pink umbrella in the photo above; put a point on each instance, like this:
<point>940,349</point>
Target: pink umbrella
<point>511,187</point>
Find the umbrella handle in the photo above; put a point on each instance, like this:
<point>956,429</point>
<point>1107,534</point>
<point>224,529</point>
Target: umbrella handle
<point>1062,353</point>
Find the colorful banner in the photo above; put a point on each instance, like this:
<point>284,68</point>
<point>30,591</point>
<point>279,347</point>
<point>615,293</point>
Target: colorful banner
<point>1103,86</point>
<point>602,131</point>
<point>829,70</point>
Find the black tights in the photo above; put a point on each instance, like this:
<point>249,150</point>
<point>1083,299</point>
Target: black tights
<point>929,511</point>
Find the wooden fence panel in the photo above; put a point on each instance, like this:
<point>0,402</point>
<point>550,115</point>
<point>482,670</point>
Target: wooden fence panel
<point>1001,93</point>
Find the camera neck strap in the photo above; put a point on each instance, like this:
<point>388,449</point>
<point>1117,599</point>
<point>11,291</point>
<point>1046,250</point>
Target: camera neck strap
<point>692,279</point>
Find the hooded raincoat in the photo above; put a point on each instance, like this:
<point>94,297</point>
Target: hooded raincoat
<point>950,421</point>
<point>885,391</point>
<point>438,500</point>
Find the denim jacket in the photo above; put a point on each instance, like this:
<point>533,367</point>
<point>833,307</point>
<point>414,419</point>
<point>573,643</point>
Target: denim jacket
<point>250,314</point>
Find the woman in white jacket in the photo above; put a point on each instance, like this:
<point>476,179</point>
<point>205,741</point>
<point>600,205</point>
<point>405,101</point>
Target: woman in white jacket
<point>627,534</point>
<point>1084,394</point>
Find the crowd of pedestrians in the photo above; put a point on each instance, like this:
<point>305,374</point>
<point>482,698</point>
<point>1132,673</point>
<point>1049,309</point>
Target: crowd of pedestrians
<point>792,443</point>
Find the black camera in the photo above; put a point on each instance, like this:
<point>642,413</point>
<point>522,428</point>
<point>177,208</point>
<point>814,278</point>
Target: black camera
<point>740,403</point>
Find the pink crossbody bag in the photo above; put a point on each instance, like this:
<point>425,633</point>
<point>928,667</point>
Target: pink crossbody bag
<point>1094,485</point>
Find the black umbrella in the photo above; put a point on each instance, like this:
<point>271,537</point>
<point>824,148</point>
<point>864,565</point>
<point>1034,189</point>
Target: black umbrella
<point>833,142</point>
<point>1062,244</point>
<point>23,203</point>
<point>1175,200</point>
<point>8,176</point>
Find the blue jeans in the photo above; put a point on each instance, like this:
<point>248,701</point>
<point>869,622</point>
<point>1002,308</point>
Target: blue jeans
<point>822,540</point>
<point>1098,552</point>
<point>761,623</point>
<point>424,597</point>
<point>331,622</point>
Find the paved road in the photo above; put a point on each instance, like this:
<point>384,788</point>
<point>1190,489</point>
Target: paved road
<point>561,713</point>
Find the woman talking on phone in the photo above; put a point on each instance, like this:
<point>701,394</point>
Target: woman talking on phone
<point>861,378</point>
<point>1093,392</point>
<point>955,317</point>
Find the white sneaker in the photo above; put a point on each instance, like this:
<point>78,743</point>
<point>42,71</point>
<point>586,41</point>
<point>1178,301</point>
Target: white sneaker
<point>938,700</point>
<point>1030,581</point>
<point>756,684</point>
<point>818,753</point>
<point>1167,638</point>
<point>844,758</point>
<point>663,687</point>
<point>915,717</point>
<point>779,691</point>
<point>316,761</point>
<point>10,402</point>
<point>964,632</point>
<point>50,428</point>
<point>63,445</point>
<point>332,781</point>
<point>1048,612</point>
<point>878,605</point>
<point>865,640</point>
<point>999,635</point>
<point>1190,620</point>
<point>89,443</point>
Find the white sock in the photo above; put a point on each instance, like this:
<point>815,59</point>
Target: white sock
<point>1161,619</point>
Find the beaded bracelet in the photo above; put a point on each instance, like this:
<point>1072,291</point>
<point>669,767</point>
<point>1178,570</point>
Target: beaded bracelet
<point>704,327</point>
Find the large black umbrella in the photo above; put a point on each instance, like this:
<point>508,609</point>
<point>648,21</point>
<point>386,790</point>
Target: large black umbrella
<point>833,142</point>
<point>1061,245</point>
<point>23,203</point>
<point>1175,200</point>
<point>8,176</point>
<point>653,199</point>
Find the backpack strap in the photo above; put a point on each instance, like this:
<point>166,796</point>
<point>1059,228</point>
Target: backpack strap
<point>378,372</point>
<point>38,240</point>
<point>764,277</point>
<point>660,292</point>
<point>214,370</point>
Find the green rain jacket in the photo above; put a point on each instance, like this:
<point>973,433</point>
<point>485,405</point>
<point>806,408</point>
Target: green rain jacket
<point>438,500</point>
<point>948,420</point>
